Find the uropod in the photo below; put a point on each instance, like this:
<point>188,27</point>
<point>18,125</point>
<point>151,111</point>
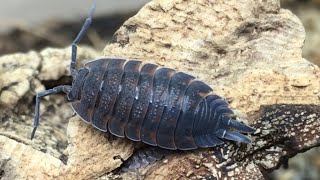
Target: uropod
<point>143,102</point>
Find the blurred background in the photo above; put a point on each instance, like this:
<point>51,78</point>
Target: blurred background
<point>36,24</point>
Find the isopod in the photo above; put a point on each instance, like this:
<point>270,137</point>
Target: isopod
<point>143,102</point>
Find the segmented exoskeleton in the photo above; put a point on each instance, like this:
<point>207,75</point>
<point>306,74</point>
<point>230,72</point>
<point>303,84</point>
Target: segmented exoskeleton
<point>142,102</point>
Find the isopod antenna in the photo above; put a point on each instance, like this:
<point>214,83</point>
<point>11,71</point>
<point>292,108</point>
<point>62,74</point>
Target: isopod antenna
<point>64,88</point>
<point>80,35</point>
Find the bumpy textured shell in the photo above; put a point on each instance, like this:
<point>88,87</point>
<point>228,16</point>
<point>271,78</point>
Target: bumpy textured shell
<point>158,106</point>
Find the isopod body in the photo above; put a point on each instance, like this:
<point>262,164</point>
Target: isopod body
<point>158,106</point>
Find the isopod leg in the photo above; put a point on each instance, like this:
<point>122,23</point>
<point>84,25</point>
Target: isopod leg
<point>82,32</point>
<point>63,88</point>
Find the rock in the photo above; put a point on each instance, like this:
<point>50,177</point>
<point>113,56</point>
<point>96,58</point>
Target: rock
<point>19,160</point>
<point>250,52</point>
<point>17,73</point>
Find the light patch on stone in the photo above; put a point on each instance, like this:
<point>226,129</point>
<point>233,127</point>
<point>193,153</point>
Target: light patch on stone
<point>250,167</point>
<point>233,166</point>
<point>212,168</point>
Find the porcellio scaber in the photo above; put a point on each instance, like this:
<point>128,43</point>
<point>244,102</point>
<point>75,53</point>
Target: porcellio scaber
<point>143,102</point>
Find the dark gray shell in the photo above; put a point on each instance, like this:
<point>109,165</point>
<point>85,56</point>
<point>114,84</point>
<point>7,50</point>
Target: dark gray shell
<point>158,106</point>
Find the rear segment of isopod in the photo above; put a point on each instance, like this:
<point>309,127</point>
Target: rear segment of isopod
<point>214,122</point>
<point>203,136</point>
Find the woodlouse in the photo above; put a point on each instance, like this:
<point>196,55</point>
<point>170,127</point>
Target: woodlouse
<point>158,106</point>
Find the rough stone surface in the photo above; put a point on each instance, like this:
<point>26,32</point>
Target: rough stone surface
<point>249,51</point>
<point>17,72</point>
<point>89,154</point>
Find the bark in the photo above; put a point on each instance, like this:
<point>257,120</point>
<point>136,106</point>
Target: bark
<point>248,51</point>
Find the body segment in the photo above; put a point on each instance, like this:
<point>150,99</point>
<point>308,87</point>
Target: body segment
<point>141,103</point>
